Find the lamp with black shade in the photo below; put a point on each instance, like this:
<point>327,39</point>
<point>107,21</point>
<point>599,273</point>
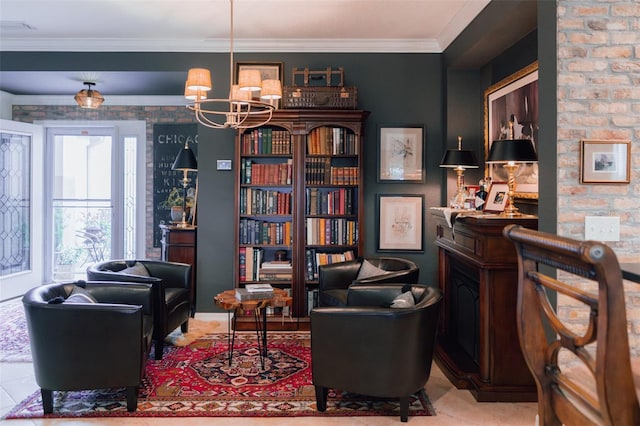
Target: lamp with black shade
<point>512,153</point>
<point>185,161</point>
<point>459,160</point>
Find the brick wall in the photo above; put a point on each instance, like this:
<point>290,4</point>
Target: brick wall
<point>150,114</point>
<point>599,98</point>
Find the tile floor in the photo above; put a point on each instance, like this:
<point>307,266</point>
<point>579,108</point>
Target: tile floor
<point>453,407</point>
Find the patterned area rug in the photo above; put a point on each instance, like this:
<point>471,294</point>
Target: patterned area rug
<point>14,340</point>
<point>197,380</point>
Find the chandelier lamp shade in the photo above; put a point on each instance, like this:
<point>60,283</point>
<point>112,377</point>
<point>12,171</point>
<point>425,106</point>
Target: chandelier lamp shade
<point>89,98</point>
<point>185,161</point>
<point>241,110</point>
<point>459,160</point>
<point>512,153</point>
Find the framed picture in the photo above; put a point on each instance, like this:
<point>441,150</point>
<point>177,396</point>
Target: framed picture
<point>497,197</point>
<point>401,154</point>
<point>513,102</point>
<point>400,222</point>
<point>605,161</point>
<point>268,70</point>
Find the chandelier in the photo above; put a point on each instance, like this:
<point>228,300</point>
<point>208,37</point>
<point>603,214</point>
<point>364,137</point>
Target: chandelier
<point>240,110</point>
<point>89,98</point>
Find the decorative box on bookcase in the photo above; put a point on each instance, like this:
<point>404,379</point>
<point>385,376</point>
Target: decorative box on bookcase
<point>299,191</point>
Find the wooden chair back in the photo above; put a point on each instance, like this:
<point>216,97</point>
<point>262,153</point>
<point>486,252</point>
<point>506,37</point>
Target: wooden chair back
<point>565,398</point>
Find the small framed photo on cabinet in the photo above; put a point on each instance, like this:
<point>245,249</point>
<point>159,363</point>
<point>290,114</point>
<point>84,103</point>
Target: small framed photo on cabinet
<point>497,197</point>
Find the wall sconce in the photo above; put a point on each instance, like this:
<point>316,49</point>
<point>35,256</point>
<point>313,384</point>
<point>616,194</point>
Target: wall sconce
<point>512,153</point>
<point>459,160</point>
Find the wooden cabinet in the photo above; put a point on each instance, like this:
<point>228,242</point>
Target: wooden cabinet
<point>478,347</point>
<point>180,245</point>
<point>298,196</point>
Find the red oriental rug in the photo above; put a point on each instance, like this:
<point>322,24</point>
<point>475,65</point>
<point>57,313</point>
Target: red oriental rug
<point>197,381</point>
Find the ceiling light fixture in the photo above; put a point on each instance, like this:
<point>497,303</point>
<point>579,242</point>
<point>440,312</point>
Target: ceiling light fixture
<point>236,110</point>
<point>89,98</point>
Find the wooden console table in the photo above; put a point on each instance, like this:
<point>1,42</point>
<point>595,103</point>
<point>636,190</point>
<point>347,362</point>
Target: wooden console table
<point>478,347</point>
<point>180,245</point>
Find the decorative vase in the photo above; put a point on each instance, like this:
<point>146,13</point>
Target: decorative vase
<point>176,214</point>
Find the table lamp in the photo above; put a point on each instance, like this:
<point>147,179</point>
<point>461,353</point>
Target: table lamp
<point>459,160</point>
<point>186,162</point>
<point>512,153</point>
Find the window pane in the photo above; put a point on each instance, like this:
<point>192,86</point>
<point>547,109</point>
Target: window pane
<point>15,203</point>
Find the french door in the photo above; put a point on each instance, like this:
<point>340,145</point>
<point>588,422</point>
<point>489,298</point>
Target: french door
<point>93,197</point>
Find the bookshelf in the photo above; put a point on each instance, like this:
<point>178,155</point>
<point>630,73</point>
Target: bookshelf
<point>298,204</point>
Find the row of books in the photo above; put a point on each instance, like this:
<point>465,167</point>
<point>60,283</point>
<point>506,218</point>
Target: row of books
<point>252,267</point>
<point>319,171</point>
<point>266,141</point>
<point>313,300</point>
<point>330,201</point>
<point>332,141</point>
<point>314,259</point>
<point>264,201</point>
<point>254,231</point>
<point>266,174</point>
<point>331,231</point>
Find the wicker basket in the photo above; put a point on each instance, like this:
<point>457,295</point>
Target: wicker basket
<point>321,97</point>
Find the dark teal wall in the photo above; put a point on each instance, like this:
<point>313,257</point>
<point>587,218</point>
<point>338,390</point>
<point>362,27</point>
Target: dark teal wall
<point>398,89</point>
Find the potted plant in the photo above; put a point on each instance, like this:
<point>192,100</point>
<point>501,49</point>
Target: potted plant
<point>174,202</point>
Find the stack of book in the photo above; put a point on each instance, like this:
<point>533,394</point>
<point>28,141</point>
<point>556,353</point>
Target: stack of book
<point>254,292</point>
<point>275,270</point>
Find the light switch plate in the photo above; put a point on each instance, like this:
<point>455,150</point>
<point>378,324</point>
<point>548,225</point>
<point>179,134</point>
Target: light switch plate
<point>602,228</point>
<point>223,164</point>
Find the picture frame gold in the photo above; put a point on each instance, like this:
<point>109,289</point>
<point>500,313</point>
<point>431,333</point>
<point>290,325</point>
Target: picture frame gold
<point>400,222</point>
<point>268,70</point>
<point>515,96</point>
<point>605,161</point>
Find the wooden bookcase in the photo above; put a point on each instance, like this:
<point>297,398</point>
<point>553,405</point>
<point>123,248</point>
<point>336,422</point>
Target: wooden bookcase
<point>299,191</point>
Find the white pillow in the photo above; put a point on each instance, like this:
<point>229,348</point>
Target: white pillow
<point>137,269</point>
<point>404,300</point>
<point>80,295</point>
<point>368,269</point>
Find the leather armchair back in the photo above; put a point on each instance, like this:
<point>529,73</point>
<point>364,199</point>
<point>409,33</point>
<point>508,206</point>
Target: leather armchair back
<point>371,349</point>
<point>335,279</point>
<point>172,292</point>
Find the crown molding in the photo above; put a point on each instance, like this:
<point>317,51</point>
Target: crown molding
<point>109,100</point>
<point>222,45</point>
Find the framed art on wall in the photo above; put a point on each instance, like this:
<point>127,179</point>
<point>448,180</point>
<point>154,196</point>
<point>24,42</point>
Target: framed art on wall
<point>513,103</point>
<point>401,154</point>
<point>400,219</point>
<point>268,71</point>
<point>497,197</point>
<point>605,161</point>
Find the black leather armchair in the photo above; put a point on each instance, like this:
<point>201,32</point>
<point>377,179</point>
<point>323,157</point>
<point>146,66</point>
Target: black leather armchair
<point>89,345</point>
<point>335,278</point>
<point>369,349</point>
<point>172,292</point>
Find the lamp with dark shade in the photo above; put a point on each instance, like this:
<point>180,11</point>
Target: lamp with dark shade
<point>185,161</point>
<point>511,153</point>
<point>459,160</point>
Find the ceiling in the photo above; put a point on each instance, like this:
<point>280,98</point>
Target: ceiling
<point>424,26</point>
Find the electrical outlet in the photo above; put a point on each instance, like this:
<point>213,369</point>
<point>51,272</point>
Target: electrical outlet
<point>602,228</point>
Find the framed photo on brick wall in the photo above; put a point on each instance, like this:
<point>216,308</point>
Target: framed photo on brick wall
<point>605,161</point>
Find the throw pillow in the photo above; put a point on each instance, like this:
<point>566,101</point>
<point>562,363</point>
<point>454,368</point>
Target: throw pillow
<point>137,269</point>
<point>404,300</point>
<point>80,295</point>
<point>368,269</point>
